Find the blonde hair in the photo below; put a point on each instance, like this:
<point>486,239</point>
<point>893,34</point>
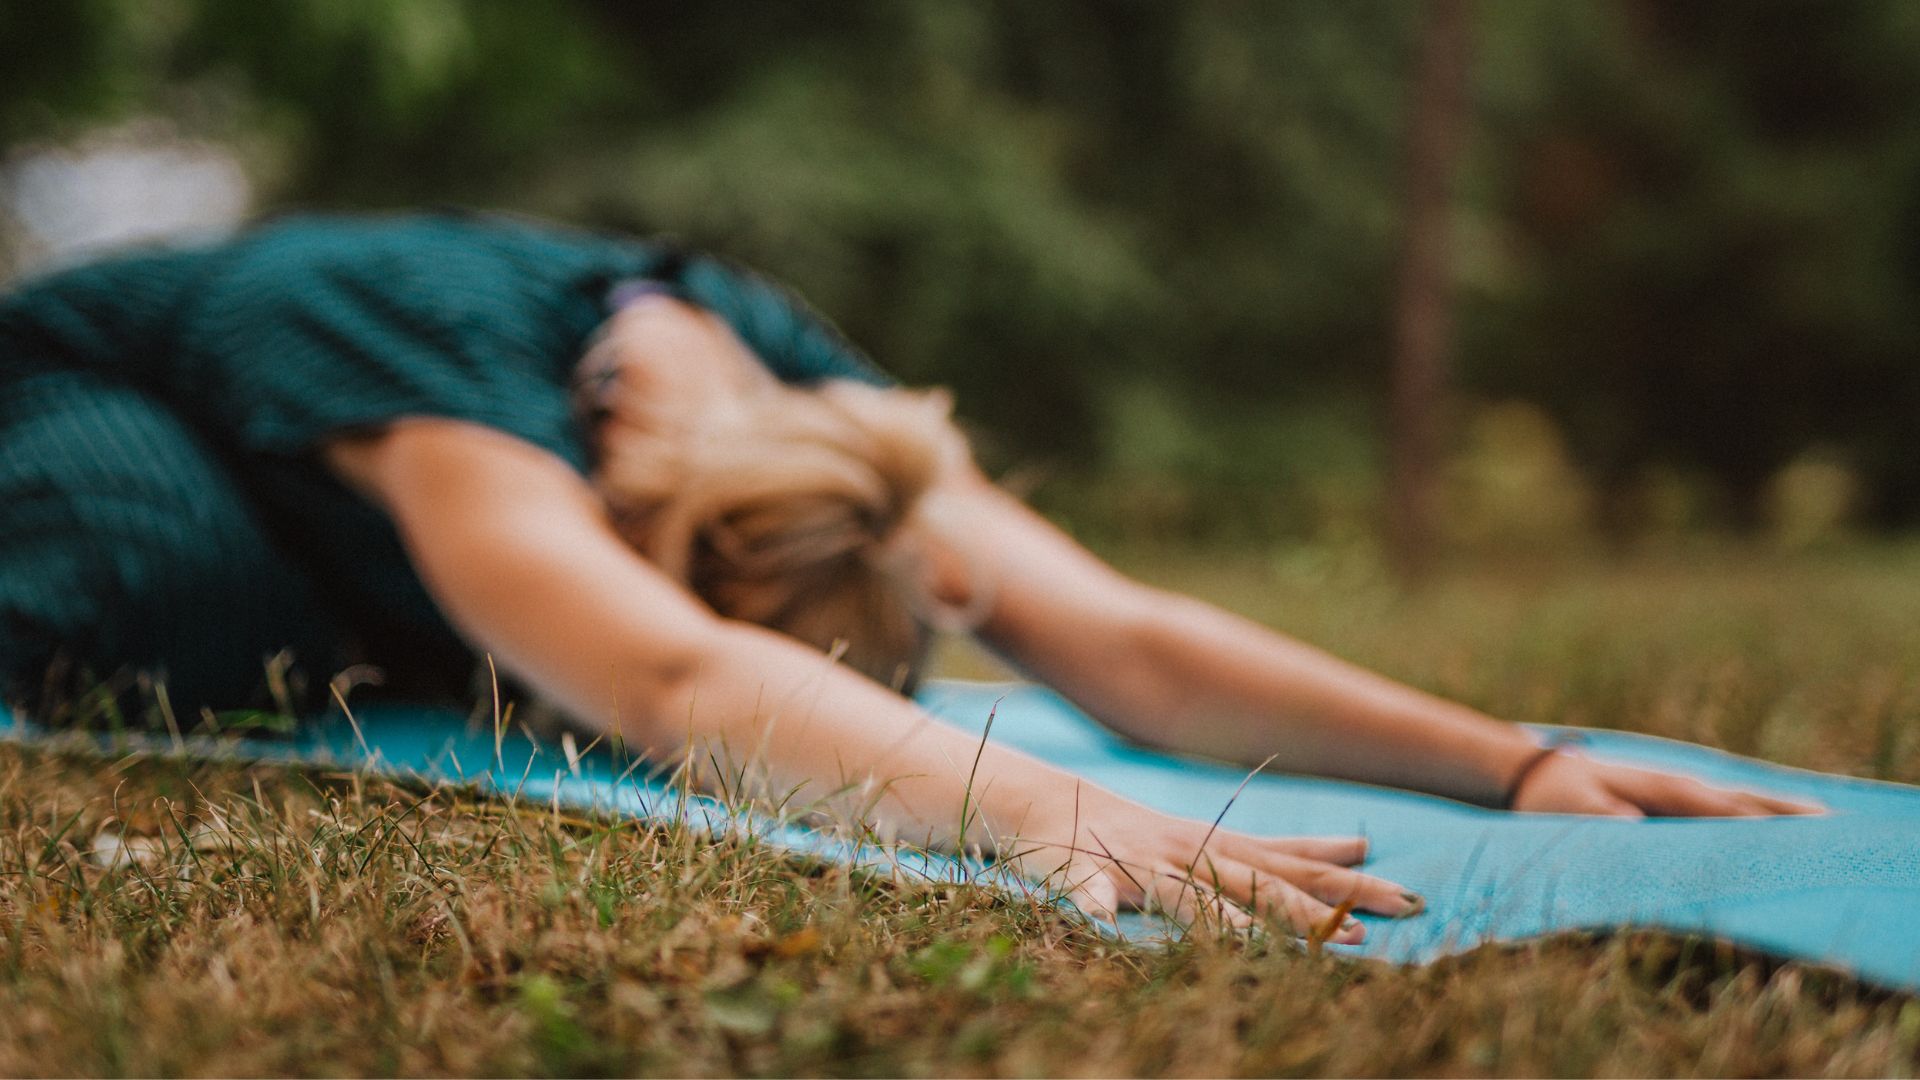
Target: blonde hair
<point>800,509</point>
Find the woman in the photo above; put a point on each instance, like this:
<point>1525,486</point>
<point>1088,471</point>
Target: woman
<point>672,502</point>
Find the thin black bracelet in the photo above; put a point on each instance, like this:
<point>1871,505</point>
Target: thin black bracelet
<point>1555,743</point>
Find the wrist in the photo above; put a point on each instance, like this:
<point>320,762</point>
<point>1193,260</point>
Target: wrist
<point>1551,746</point>
<point>1488,758</point>
<point>1082,815</point>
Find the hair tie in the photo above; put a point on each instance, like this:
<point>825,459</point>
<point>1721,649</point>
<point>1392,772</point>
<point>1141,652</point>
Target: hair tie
<point>630,291</point>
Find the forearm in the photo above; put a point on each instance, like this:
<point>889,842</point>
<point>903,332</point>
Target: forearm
<point>1176,673</point>
<point>1192,677</point>
<point>803,726</point>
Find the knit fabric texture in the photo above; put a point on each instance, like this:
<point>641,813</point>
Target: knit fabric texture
<point>198,384</point>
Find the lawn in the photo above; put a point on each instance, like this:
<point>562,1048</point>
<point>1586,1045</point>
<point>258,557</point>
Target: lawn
<point>163,917</point>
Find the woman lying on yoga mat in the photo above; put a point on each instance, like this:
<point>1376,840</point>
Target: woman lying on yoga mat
<point>656,490</point>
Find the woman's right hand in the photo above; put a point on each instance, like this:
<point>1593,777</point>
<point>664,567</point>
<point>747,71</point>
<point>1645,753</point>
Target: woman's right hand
<point>1128,857</point>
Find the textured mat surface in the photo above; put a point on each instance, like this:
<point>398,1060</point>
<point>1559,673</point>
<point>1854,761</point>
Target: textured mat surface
<point>1841,889</point>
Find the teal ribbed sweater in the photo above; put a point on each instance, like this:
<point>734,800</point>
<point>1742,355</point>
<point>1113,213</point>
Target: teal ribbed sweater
<point>267,344</point>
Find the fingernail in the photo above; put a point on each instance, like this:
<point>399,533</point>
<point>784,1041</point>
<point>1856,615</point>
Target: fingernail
<point>1352,931</point>
<point>1415,903</point>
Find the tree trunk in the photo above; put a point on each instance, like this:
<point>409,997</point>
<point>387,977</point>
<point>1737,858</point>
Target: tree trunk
<point>1423,317</point>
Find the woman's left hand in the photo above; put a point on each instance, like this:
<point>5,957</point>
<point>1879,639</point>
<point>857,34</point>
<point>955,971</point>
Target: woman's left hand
<point>1569,784</point>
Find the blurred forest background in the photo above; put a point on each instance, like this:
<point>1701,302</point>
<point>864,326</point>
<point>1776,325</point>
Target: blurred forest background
<point>1154,247</point>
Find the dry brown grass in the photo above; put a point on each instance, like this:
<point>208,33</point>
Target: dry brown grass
<point>276,922</point>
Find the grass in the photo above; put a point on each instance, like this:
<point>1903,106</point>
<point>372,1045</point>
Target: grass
<point>160,917</point>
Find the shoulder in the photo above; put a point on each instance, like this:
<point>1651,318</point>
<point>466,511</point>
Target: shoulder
<point>455,270</point>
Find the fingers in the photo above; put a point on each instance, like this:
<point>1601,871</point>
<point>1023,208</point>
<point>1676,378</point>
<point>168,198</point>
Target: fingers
<point>1236,881</point>
<point>1681,796</point>
<point>1339,885</point>
<point>1267,886</point>
<point>1311,897</point>
<point>1339,850</point>
<point>1318,867</point>
<point>1610,806</point>
<point>1754,804</point>
<point>1190,903</point>
<point>1578,785</point>
<point>1225,896</point>
<point>1789,806</point>
<point>1102,888</point>
<point>1695,799</point>
<point>1094,891</point>
<point>1735,804</point>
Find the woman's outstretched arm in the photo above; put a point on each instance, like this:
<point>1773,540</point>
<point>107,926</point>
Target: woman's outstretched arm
<point>1177,673</point>
<point>515,547</point>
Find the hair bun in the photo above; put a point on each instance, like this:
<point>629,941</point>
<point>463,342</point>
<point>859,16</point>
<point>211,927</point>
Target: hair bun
<point>795,509</point>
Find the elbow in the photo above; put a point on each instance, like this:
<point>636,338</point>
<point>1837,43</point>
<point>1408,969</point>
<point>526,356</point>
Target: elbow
<point>648,697</point>
<point>1148,624</point>
<point>1144,660</point>
<point>711,675</point>
<point>656,709</point>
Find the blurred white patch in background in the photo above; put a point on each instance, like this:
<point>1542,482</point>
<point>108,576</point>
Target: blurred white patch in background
<point>129,185</point>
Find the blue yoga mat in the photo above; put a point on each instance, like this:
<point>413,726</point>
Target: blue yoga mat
<point>1841,889</point>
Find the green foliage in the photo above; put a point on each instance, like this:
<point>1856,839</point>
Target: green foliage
<point>1707,214</point>
<point>1685,231</point>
